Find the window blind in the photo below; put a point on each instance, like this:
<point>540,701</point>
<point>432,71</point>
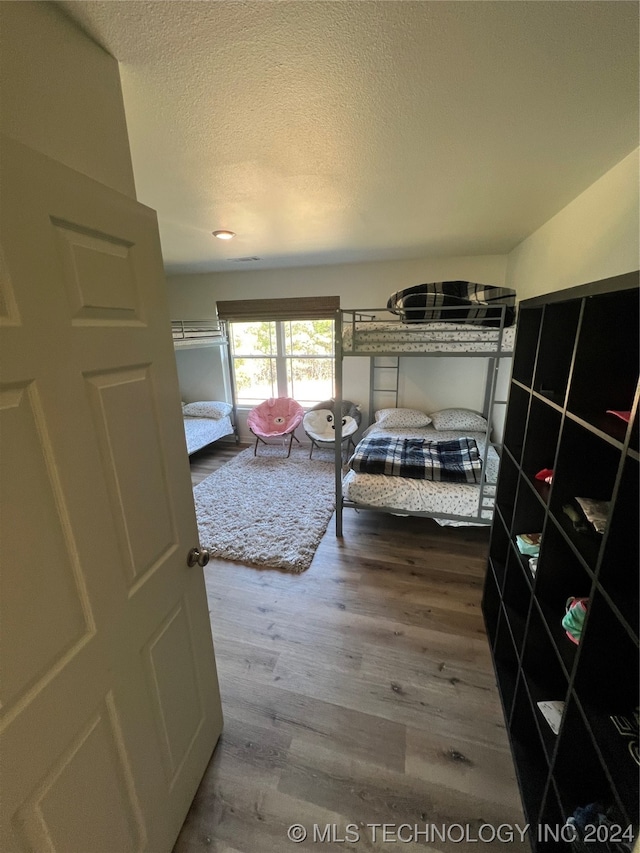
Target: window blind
<point>295,308</point>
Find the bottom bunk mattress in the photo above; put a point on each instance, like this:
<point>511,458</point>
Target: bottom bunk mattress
<point>406,495</point>
<point>202,431</point>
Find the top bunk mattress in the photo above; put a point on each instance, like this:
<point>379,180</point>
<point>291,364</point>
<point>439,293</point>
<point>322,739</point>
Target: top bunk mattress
<point>391,337</point>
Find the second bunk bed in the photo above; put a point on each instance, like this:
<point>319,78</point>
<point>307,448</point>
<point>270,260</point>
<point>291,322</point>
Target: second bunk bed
<point>377,478</point>
<point>206,421</point>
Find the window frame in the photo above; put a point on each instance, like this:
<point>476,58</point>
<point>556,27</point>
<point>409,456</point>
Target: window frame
<point>282,359</point>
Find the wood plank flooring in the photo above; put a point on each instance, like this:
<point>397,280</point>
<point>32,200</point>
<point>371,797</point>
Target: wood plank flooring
<point>360,692</point>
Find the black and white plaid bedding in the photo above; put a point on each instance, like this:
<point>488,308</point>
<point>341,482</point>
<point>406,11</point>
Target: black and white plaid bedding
<point>454,461</point>
<point>463,301</point>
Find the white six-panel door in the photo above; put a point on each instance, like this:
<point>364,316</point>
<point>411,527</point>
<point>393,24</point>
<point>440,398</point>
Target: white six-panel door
<point>109,696</point>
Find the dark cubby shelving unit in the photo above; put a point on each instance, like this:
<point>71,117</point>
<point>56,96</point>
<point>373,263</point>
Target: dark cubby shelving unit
<point>576,355</point>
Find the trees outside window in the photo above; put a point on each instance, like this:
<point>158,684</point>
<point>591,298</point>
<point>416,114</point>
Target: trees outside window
<point>284,358</point>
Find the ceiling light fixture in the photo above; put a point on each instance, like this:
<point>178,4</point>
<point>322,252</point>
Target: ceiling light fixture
<point>224,235</point>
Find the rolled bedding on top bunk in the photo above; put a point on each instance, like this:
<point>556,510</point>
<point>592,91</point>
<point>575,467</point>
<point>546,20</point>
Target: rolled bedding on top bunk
<point>456,460</point>
<point>463,301</point>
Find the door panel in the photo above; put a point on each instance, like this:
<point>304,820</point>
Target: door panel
<point>178,705</point>
<point>41,612</point>
<point>116,822</point>
<point>139,495</point>
<point>99,275</point>
<point>110,705</point>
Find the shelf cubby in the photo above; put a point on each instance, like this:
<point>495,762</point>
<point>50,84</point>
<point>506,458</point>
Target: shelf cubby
<point>499,550</point>
<point>528,518</point>
<point>544,677</point>
<point>528,514</point>
<point>506,663</point>
<point>541,444</point>
<point>565,648</point>
<point>508,487</point>
<point>559,325</point>
<point>539,663</point>
<point>619,576</point>
<point>530,759</point>
<point>576,356</point>
<point>560,572</point>
<point>578,771</point>
<point>548,833</point>
<point>607,650</point>
<point>516,420</point>
<point>516,597</point>
<point>605,374</point>
<point>586,467</point>
<point>524,358</point>
<point>491,606</point>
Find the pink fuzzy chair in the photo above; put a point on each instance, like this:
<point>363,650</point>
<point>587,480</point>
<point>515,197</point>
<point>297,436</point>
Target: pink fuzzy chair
<point>277,416</point>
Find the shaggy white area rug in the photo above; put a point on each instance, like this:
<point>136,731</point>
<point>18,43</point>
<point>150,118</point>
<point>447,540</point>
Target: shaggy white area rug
<point>267,510</point>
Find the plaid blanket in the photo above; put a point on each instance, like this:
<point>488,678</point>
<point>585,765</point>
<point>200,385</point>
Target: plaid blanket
<point>463,301</point>
<point>454,461</point>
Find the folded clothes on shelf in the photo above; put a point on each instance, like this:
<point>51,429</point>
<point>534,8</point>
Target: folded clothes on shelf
<point>546,475</point>
<point>573,620</point>
<point>577,518</point>
<point>596,512</point>
<point>583,830</point>
<point>552,711</point>
<point>529,543</point>
<point>624,416</point>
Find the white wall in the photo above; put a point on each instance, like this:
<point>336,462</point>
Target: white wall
<point>358,285</point>
<point>201,373</point>
<point>449,382</point>
<point>594,237</point>
<point>61,94</point>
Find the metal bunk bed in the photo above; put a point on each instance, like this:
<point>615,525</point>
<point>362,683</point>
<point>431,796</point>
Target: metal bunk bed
<point>198,333</point>
<point>377,334</point>
<point>191,334</point>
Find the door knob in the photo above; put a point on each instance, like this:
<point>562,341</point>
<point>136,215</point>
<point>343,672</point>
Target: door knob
<point>199,556</point>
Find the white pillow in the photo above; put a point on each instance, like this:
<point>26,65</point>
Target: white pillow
<point>459,419</point>
<point>399,418</point>
<point>207,409</point>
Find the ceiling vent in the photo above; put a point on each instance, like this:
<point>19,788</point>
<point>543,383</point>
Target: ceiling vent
<point>244,260</point>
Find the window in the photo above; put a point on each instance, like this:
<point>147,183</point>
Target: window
<point>283,358</point>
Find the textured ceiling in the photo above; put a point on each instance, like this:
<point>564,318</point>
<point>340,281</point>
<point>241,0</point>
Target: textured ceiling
<point>326,132</point>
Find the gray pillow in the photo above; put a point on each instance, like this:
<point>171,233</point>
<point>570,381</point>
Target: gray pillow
<point>459,419</point>
<point>401,418</point>
<point>207,409</point>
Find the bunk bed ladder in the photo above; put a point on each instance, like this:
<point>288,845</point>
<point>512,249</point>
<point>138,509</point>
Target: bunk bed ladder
<point>375,379</point>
